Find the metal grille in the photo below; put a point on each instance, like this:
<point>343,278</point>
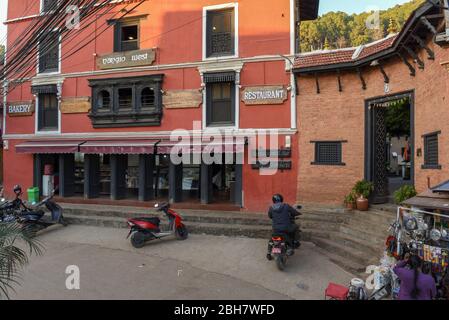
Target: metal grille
<point>431,150</point>
<point>221,43</point>
<point>328,153</point>
<point>380,156</point>
<point>148,98</point>
<point>49,53</point>
<point>220,32</point>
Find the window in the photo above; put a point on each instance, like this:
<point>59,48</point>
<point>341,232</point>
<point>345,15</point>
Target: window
<point>48,112</point>
<point>431,151</point>
<point>48,5</point>
<point>220,35</point>
<point>49,52</point>
<point>220,97</point>
<point>328,153</point>
<point>124,102</point>
<point>126,35</point>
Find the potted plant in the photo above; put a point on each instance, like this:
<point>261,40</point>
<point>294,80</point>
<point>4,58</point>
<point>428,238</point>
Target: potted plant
<point>404,193</point>
<point>363,189</point>
<point>350,200</point>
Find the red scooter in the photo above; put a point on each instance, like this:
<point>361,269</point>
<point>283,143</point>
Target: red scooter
<point>145,229</point>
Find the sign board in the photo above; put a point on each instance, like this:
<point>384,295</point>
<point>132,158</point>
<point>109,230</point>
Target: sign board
<point>75,105</point>
<point>281,165</point>
<point>181,99</point>
<point>281,153</point>
<point>20,109</point>
<point>135,58</point>
<point>264,95</point>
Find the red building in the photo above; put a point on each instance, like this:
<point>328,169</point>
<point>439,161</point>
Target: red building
<point>100,105</point>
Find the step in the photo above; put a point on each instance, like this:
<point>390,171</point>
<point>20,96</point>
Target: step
<point>357,269</point>
<point>371,217</point>
<point>361,257</point>
<point>368,239</point>
<point>331,217</point>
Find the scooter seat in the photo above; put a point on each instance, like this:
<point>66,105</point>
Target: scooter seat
<point>154,220</point>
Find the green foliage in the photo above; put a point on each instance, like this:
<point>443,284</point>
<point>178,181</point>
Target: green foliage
<point>363,188</point>
<point>342,30</point>
<point>13,256</point>
<point>397,118</point>
<point>351,198</point>
<point>2,53</point>
<point>403,193</point>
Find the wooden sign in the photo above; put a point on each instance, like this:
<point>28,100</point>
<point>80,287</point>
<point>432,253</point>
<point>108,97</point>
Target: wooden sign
<point>20,109</point>
<point>181,99</point>
<point>75,105</point>
<point>133,58</point>
<point>280,165</point>
<point>281,153</point>
<point>264,95</point>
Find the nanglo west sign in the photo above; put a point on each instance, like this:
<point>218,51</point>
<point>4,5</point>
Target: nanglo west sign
<point>264,95</point>
<point>134,58</point>
<point>17,109</point>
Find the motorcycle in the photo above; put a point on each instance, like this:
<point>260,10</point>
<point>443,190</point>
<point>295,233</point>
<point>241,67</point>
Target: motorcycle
<point>34,220</point>
<point>279,248</point>
<point>144,229</point>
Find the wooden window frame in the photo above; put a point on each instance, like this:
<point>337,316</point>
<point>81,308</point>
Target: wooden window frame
<point>118,26</point>
<point>319,161</point>
<point>209,106</point>
<point>39,56</point>
<point>41,110</point>
<point>426,164</point>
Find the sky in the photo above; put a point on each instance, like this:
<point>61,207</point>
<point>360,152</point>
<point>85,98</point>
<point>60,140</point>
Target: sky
<point>349,6</point>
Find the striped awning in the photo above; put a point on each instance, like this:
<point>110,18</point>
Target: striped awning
<point>49,146</point>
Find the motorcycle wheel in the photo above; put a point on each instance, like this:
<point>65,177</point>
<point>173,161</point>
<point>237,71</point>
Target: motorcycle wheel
<point>281,260</point>
<point>181,233</point>
<point>138,240</point>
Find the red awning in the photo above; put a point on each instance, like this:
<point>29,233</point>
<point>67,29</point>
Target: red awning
<point>124,146</point>
<point>49,146</point>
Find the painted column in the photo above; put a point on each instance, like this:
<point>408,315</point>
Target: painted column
<point>239,185</point>
<point>119,165</point>
<point>174,183</point>
<point>206,187</point>
<point>91,176</point>
<point>66,175</point>
<point>146,183</point>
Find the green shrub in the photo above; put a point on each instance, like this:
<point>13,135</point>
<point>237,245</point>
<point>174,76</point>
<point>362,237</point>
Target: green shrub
<point>351,198</point>
<point>363,188</point>
<point>403,193</point>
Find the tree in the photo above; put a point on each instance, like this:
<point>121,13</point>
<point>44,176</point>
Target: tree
<point>13,257</point>
<point>326,44</point>
<point>392,27</point>
<point>2,53</point>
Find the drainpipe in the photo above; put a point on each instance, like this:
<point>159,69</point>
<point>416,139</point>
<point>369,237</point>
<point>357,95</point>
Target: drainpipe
<point>293,92</point>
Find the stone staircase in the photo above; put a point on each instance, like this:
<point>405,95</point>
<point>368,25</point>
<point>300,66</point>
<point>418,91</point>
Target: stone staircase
<point>351,239</point>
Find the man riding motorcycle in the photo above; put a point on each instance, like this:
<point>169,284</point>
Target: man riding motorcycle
<point>283,221</point>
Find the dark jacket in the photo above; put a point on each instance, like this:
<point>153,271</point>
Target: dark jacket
<point>282,215</point>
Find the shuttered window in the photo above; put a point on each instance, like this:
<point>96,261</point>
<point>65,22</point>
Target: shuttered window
<point>328,153</point>
<point>48,112</point>
<point>431,151</point>
<point>49,53</point>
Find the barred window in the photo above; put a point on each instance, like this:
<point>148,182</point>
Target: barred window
<point>49,52</point>
<point>147,97</point>
<point>328,152</point>
<point>431,151</point>
<point>49,5</point>
<point>125,98</point>
<point>220,33</point>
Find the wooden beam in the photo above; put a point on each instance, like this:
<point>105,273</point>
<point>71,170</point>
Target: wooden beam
<point>422,44</point>
<point>386,78</point>
<point>408,64</point>
<point>429,26</point>
<point>318,91</point>
<point>362,80</point>
<point>340,87</point>
<point>415,57</point>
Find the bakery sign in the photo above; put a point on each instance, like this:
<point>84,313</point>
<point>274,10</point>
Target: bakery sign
<point>18,109</point>
<point>135,58</point>
<point>264,95</point>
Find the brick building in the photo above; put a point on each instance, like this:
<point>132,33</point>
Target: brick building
<point>345,98</point>
<point>97,111</point>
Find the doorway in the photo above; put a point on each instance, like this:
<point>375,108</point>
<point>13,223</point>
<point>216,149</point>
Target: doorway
<point>389,144</point>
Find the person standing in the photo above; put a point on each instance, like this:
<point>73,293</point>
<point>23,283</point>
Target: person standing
<point>415,285</point>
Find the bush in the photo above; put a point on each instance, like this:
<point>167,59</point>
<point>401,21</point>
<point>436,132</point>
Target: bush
<point>363,188</point>
<point>403,193</point>
<point>351,198</point>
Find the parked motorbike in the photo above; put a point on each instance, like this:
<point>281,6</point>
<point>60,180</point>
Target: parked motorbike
<point>279,248</point>
<point>144,229</point>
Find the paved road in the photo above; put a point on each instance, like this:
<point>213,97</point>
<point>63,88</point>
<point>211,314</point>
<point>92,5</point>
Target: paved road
<point>202,267</point>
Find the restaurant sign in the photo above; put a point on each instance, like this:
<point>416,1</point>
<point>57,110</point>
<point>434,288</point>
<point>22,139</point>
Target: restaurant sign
<point>264,95</point>
<point>19,109</point>
<point>135,58</point>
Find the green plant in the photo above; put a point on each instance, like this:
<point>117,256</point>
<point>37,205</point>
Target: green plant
<point>363,188</point>
<point>403,193</point>
<point>350,198</point>
<point>12,256</point>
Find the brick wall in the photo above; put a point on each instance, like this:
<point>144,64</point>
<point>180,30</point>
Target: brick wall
<point>334,115</point>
